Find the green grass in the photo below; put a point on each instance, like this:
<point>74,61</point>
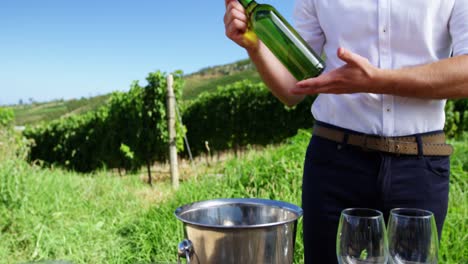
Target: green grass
<point>61,215</point>
<point>454,241</point>
<point>103,218</point>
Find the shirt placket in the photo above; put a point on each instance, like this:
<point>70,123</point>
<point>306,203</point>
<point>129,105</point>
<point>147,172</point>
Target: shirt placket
<point>388,109</point>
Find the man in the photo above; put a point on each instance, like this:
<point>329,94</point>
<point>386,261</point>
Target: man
<point>378,139</point>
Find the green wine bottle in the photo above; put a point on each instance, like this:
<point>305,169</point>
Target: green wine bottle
<point>283,40</point>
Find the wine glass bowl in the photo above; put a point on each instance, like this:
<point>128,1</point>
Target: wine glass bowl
<point>412,236</point>
<point>361,237</point>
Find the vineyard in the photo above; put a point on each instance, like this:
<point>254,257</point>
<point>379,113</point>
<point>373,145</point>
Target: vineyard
<point>130,130</point>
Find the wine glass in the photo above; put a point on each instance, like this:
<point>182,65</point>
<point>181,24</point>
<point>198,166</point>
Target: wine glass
<point>361,237</point>
<point>412,236</point>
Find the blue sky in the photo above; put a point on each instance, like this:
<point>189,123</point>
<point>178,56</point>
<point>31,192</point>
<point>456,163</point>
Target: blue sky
<point>63,49</point>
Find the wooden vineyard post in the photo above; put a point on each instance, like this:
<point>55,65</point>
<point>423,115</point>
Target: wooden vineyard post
<point>172,132</point>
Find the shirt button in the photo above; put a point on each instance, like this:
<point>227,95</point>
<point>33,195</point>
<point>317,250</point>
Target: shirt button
<point>389,110</point>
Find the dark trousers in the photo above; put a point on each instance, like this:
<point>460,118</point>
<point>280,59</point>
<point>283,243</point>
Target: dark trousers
<point>339,176</point>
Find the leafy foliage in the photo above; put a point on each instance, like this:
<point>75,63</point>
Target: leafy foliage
<point>6,117</point>
<point>136,120</point>
<point>242,114</point>
<point>456,117</point>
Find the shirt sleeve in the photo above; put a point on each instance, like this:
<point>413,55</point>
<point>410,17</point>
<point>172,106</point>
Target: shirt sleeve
<point>459,27</point>
<point>307,24</point>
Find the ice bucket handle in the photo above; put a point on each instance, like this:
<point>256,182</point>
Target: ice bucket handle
<point>185,250</point>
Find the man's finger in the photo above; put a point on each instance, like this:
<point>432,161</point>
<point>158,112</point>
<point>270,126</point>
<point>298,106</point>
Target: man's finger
<point>350,57</point>
<point>226,2</point>
<point>316,82</point>
<point>234,14</point>
<point>235,27</point>
<point>231,2</point>
<point>346,56</point>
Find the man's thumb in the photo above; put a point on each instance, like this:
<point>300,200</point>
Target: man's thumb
<point>346,56</point>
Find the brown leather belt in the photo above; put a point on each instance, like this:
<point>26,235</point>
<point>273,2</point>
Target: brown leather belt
<point>432,144</point>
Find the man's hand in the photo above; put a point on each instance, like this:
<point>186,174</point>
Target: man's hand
<point>443,79</point>
<point>236,25</point>
<point>356,76</point>
<point>273,73</point>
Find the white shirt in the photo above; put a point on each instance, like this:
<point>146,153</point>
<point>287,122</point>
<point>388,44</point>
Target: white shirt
<point>391,34</point>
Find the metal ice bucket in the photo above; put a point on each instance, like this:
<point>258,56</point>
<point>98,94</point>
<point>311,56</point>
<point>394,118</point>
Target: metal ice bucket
<point>238,231</point>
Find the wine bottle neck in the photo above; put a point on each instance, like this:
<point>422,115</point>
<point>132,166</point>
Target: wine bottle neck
<point>246,3</point>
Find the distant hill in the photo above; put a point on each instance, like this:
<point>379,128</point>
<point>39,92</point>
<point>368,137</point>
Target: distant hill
<point>33,113</point>
<point>206,79</point>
